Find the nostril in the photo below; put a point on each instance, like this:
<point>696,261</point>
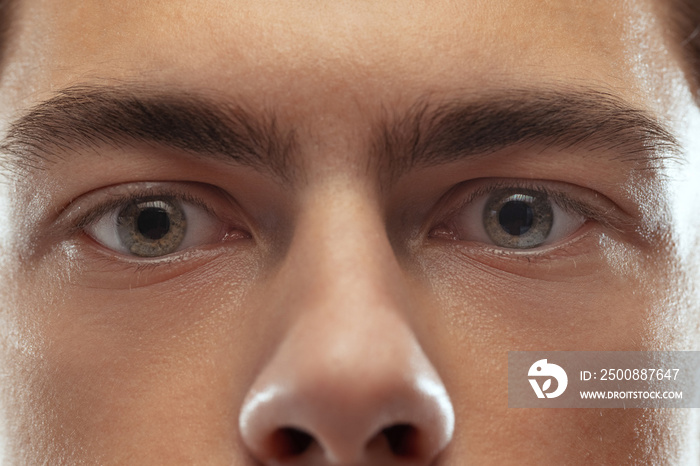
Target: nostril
<point>289,442</point>
<point>402,439</point>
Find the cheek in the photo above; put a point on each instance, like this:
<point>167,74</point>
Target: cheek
<point>576,436</point>
<point>95,374</point>
<point>614,297</point>
<point>625,302</point>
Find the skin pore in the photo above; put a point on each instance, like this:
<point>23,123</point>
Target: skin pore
<point>333,160</point>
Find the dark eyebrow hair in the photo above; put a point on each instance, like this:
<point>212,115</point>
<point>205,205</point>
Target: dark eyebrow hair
<point>92,115</point>
<point>432,133</point>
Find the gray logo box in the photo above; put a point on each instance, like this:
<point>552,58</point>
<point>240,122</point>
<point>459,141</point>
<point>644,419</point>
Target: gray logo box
<point>604,379</point>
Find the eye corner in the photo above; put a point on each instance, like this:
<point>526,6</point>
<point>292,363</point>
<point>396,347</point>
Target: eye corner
<point>236,233</point>
<point>442,231</point>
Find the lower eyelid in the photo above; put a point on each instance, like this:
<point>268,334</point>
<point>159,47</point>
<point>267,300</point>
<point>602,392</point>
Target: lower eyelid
<point>102,268</point>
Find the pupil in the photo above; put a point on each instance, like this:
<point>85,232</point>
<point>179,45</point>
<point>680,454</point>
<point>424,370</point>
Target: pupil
<point>515,217</point>
<point>153,223</point>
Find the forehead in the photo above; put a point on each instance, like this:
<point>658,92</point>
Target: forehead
<point>303,53</point>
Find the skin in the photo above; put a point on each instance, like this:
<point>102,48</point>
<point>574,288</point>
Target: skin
<point>340,288</point>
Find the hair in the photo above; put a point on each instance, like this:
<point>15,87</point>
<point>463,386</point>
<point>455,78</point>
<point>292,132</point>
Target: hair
<point>686,26</point>
<point>6,10</point>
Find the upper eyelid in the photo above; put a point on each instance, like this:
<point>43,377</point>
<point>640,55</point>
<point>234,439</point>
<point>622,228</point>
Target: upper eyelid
<point>608,215</point>
<point>108,207</point>
<point>88,208</point>
<point>102,209</point>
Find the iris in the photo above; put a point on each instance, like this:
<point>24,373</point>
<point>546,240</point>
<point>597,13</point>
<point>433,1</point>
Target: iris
<point>518,218</point>
<point>152,227</point>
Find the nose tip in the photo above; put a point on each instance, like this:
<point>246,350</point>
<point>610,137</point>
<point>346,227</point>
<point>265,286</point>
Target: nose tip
<point>326,417</point>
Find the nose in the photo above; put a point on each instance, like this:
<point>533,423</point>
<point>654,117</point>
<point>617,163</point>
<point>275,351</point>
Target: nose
<point>349,383</point>
<point>317,404</point>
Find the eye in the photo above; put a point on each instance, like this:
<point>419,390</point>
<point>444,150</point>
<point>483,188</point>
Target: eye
<point>514,218</point>
<point>155,226</point>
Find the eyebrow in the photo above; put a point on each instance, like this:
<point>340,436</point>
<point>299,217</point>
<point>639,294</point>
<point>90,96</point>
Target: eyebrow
<point>432,133</point>
<point>92,116</point>
<point>428,133</point>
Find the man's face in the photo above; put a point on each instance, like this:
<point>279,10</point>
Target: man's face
<point>227,223</point>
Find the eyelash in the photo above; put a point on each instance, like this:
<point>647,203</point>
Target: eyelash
<point>563,200</point>
<point>96,212</point>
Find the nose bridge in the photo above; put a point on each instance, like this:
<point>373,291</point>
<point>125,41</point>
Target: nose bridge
<point>349,376</point>
<point>341,243</point>
<point>344,287</point>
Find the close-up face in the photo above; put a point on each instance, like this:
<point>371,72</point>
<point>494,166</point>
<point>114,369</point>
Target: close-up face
<point>309,233</point>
